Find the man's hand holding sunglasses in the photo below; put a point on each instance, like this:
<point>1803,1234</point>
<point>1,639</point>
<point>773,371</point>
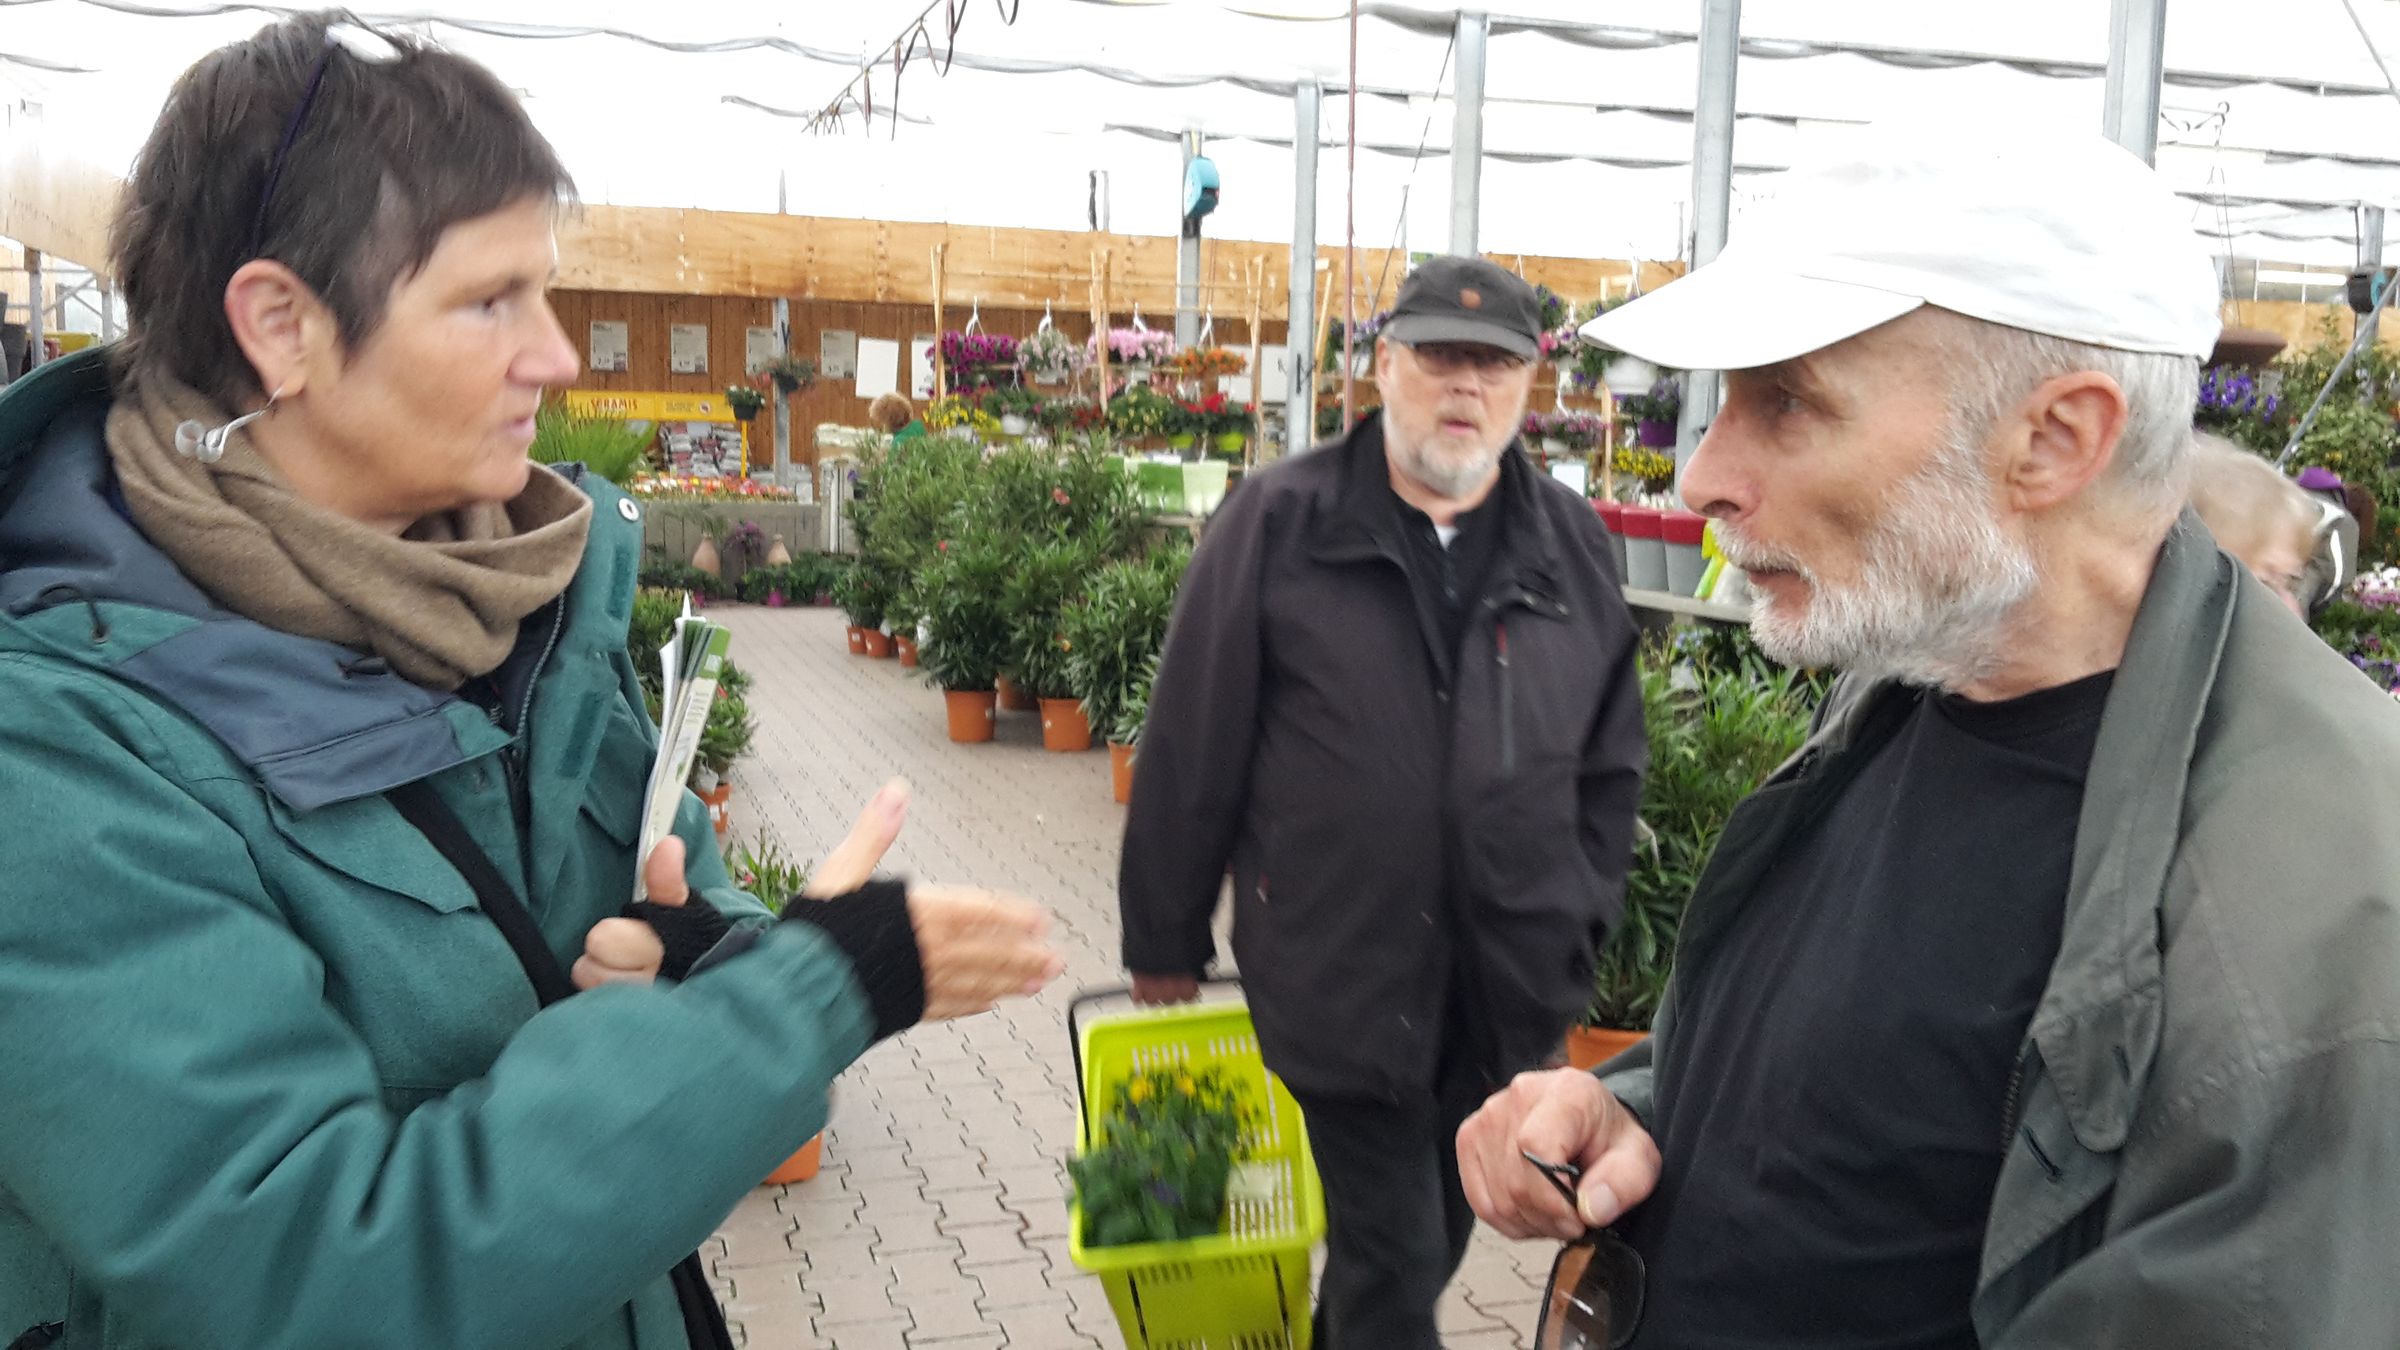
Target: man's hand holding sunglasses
<point>1561,1114</point>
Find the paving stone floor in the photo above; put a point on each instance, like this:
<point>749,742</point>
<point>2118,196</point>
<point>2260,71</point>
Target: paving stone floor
<point>938,1221</point>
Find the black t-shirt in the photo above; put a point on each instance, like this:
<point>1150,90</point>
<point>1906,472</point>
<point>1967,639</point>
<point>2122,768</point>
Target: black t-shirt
<point>1830,1123</point>
<point>1447,580</point>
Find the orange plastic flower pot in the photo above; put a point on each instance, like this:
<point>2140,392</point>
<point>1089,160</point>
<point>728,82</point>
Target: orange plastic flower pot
<point>1065,730</point>
<point>972,713</point>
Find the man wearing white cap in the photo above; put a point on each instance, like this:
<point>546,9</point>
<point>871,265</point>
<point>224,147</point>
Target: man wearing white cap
<point>2051,995</point>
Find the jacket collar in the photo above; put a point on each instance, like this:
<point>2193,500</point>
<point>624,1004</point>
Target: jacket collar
<point>1356,520</point>
<point>2099,1020</point>
<point>311,719</point>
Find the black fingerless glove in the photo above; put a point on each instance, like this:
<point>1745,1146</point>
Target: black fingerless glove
<point>872,927</point>
<point>687,931</point>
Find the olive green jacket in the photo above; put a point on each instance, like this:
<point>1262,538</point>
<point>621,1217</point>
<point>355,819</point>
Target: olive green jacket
<point>2204,1146</point>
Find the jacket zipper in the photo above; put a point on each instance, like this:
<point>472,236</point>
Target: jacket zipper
<point>512,755</point>
<point>2010,1103</point>
<point>1508,701</point>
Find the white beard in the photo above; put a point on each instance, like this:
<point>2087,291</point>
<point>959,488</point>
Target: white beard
<point>1933,601</point>
<point>1452,478</point>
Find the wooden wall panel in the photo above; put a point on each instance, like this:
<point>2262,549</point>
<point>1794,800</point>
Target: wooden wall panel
<point>647,318</point>
<point>58,206</point>
<point>730,253</point>
<point>2304,325</point>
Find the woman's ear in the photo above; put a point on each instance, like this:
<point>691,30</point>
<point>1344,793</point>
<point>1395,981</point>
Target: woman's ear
<point>278,322</point>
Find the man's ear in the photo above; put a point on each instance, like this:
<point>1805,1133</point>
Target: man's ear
<point>2062,437</point>
<point>278,322</point>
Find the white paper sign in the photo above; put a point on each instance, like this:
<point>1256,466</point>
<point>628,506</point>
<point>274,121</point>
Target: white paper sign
<point>687,348</point>
<point>760,347</point>
<point>878,367</point>
<point>609,343</point>
<point>921,369</point>
<point>1275,380</point>
<point>837,353</point>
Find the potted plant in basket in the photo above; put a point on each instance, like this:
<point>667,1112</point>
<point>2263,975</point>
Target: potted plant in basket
<point>1168,1142</point>
<point>1050,357</point>
<point>1014,405</point>
<point>790,374</point>
<point>1138,349</point>
<point>1721,718</point>
<point>744,401</point>
<point>1654,414</point>
<point>978,360</point>
<point>1232,423</point>
<point>1651,473</point>
<point>1143,417</point>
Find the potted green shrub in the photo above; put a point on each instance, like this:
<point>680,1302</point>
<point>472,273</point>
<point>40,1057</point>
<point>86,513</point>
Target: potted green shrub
<point>860,593</point>
<point>612,449</point>
<point>1015,406</point>
<point>1143,417</point>
<point>1113,636</point>
<point>967,629</point>
<point>1125,739</point>
<point>1721,718</point>
<point>1051,572</point>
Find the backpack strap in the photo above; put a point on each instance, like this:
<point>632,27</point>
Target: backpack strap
<point>418,804</point>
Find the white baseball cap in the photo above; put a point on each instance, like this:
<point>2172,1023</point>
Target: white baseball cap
<point>2056,233</point>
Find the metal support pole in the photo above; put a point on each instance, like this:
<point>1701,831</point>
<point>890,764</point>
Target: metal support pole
<point>34,320</point>
<point>1300,409</point>
<point>108,312</point>
<point>1712,188</point>
<point>2137,47</point>
<point>783,406</point>
<point>2370,261</point>
<point>1187,256</point>
<point>1466,137</point>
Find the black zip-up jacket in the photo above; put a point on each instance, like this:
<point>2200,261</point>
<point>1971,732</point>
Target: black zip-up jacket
<point>1396,816</point>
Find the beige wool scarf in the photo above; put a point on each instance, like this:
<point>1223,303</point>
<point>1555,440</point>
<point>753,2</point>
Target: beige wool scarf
<point>440,602</point>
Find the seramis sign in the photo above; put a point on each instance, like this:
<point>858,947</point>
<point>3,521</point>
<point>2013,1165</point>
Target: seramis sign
<point>648,407</point>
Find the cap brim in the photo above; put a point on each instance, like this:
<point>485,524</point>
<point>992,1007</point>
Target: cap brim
<point>1415,328</point>
<point>1738,317</point>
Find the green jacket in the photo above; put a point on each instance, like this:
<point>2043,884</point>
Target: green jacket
<point>268,1076</point>
<point>2205,1145</point>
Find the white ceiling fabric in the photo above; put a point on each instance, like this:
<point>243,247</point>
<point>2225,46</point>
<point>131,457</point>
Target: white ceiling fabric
<point>2276,118</point>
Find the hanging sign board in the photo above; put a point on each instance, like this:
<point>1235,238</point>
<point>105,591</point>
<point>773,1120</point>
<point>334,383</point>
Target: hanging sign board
<point>608,346</point>
<point>687,349</point>
<point>922,368</point>
<point>760,347</point>
<point>837,354</point>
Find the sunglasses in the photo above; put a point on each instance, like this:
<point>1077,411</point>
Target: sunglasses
<point>1594,1299</point>
<point>1449,358</point>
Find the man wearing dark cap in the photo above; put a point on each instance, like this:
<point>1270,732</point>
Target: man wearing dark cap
<point>1398,704</point>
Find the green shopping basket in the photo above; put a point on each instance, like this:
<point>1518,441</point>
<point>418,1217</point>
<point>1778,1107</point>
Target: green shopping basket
<point>1247,1287</point>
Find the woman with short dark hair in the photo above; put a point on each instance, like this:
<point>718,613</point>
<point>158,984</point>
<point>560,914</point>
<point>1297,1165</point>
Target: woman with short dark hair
<point>324,1019</point>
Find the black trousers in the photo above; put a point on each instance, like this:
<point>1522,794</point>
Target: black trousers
<point>1396,1220</point>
